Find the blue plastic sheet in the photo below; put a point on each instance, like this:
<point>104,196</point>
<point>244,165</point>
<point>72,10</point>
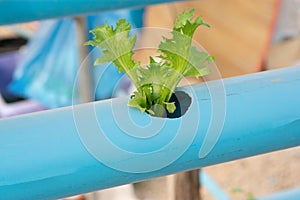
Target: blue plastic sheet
<point>49,66</point>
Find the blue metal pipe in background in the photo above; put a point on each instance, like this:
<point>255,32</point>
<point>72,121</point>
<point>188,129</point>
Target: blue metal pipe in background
<point>72,150</point>
<point>16,11</point>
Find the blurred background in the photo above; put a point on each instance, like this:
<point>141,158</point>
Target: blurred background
<point>38,65</point>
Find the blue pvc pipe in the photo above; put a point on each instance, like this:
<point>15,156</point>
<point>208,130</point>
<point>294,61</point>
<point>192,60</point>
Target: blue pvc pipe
<point>16,11</point>
<point>212,187</point>
<point>291,194</point>
<point>71,150</point>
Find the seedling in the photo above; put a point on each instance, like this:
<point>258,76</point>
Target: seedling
<point>249,196</point>
<point>155,83</point>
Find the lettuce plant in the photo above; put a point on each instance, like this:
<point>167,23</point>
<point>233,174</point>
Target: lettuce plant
<point>157,81</point>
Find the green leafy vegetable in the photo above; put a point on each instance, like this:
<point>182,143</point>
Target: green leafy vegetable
<point>156,82</point>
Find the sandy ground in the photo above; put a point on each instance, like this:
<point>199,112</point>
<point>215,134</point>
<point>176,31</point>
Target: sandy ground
<point>258,176</point>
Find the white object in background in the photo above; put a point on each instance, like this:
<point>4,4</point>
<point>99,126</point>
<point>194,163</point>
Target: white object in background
<point>288,23</point>
<point>124,192</point>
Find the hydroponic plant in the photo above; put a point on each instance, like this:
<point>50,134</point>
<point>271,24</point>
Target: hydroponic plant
<point>157,81</point>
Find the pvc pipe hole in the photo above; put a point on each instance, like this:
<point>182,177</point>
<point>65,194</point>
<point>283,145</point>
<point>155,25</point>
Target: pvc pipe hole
<point>182,102</point>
